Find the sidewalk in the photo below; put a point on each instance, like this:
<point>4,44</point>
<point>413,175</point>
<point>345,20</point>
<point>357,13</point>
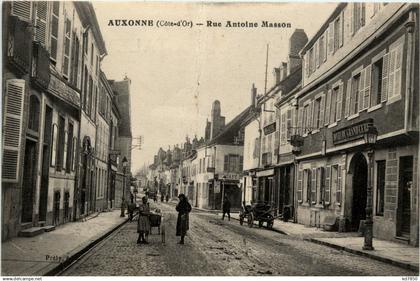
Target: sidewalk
<point>36,256</point>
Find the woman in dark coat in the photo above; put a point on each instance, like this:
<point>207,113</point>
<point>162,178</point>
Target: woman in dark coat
<point>183,208</point>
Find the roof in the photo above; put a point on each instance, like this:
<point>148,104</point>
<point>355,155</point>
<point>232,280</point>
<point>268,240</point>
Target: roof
<point>231,129</point>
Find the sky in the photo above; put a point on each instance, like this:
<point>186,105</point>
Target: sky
<point>176,73</point>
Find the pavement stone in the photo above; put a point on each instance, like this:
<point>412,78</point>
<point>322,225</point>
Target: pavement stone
<point>36,256</point>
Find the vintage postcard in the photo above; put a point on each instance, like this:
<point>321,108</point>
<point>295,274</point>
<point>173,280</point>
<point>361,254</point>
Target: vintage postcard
<point>210,139</point>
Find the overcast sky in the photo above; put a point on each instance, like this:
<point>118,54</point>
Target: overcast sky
<point>177,73</point>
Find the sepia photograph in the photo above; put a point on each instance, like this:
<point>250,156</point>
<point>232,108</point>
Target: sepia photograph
<point>209,139</point>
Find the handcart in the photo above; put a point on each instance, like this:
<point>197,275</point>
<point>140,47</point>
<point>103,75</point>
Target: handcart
<point>156,220</point>
<point>261,212</point>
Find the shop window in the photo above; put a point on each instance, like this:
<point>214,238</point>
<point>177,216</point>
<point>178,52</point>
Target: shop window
<point>380,187</point>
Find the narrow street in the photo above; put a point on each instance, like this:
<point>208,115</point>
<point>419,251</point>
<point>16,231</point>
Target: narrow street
<point>215,247</point>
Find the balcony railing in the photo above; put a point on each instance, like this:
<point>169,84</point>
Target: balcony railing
<point>40,74</point>
<point>19,44</point>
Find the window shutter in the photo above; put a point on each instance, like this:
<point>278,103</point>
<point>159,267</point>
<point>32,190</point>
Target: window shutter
<point>299,189</point>
<point>397,72</point>
<point>327,108</point>
<point>22,9</point>
<point>351,19</point>
<point>361,88</point>
<point>339,102</point>
<point>391,74</point>
<point>54,29</point>
<point>306,65</point>
<point>313,186</point>
<point>54,145</point>
<point>321,110</point>
<point>348,95</point>
<point>325,44</point>
<point>12,128</point>
<point>331,39</point>
<point>41,22</point>
<point>347,22</point>
<point>385,69</point>
<point>327,187</point>
<point>338,191</point>
<point>73,160</point>
<point>316,53</point>
<point>363,14</point>
<point>308,185</point>
<point>341,36</point>
<point>366,101</point>
<point>310,117</point>
<point>300,121</point>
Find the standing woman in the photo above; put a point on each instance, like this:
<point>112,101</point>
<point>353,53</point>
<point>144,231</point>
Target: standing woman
<point>143,224</point>
<point>183,208</point>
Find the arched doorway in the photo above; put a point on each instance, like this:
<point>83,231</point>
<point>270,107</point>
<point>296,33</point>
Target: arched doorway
<point>359,170</point>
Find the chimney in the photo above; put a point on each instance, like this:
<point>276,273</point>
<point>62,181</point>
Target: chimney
<point>296,42</point>
<point>283,70</point>
<point>253,95</point>
<point>276,72</point>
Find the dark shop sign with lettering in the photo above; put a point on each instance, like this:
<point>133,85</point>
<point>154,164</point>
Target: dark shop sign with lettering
<point>270,128</point>
<point>353,132</point>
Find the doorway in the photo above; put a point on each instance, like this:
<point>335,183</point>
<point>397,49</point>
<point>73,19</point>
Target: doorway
<point>404,196</point>
<point>56,208</point>
<point>359,169</point>
<point>29,181</point>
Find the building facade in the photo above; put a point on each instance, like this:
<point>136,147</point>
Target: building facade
<point>360,71</point>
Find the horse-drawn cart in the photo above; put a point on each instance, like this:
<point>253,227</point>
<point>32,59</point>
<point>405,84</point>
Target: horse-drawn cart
<point>261,212</point>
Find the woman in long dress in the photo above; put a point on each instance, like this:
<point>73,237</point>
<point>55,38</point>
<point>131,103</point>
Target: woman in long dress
<point>182,224</point>
<point>143,224</point>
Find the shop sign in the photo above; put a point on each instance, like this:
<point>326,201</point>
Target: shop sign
<point>64,92</point>
<point>353,132</point>
<point>270,128</point>
<point>230,176</point>
<point>265,173</point>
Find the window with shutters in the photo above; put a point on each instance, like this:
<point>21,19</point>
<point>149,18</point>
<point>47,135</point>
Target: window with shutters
<point>34,114</point>
<point>90,97</point>
<point>394,75</point>
<point>354,99</point>
<point>289,121</point>
<point>74,150</point>
<point>327,187</point>
<point>359,15</point>
<point>313,186</point>
<point>334,180</point>
<point>283,129</point>
<point>60,144</point>
<point>311,61</point>
<point>22,9</point>
<point>54,145</point>
<point>376,96</point>
<point>66,49</point>
<point>41,22</point>
<point>75,53</point>
<point>86,42</point>
<point>321,51</point>
<point>308,185</point>
<point>333,109</point>
<point>337,33</point>
<point>55,14</point>
<point>305,119</point>
<point>320,184</point>
<point>12,128</point>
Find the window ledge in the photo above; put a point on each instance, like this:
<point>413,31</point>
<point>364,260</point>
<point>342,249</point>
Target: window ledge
<point>375,107</point>
<point>353,116</point>
<point>332,125</point>
<point>306,204</point>
<point>319,206</point>
<point>315,131</point>
<point>393,99</point>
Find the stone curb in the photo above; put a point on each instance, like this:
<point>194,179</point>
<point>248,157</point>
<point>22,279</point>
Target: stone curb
<point>365,254</point>
<point>74,255</point>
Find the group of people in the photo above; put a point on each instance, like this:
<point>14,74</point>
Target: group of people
<point>143,224</point>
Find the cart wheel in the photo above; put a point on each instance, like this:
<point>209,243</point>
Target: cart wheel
<point>270,224</point>
<point>241,220</point>
<point>250,220</point>
<point>260,223</point>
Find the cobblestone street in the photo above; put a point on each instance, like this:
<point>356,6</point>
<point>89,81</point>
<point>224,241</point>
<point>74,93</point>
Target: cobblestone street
<point>215,247</point>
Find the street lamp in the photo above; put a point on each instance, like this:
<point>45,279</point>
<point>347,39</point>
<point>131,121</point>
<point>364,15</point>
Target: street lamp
<point>124,164</point>
<point>370,138</point>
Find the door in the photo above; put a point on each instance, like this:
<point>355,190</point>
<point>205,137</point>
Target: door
<point>29,181</point>
<point>359,170</point>
<point>43,196</point>
<point>404,196</point>
<point>56,208</point>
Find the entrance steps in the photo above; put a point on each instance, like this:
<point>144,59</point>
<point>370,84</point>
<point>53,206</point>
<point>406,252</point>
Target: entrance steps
<point>34,231</point>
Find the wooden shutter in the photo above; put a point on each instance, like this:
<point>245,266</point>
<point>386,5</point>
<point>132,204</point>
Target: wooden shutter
<point>339,102</point>
<point>366,100</point>
<point>316,54</point>
<point>397,71</point>
<point>327,187</point>
<point>361,89</point>
<point>310,117</point>
<point>12,129</point>
<point>348,95</point>
<point>385,69</point>
<point>54,145</point>
<point>308,185</point>
<point>327,108</point>
<point>300,121</point>
<point>341,32</point>
<point>313,186</point>
<point>54,29</point>
<point>338,191</point>
<point>321,111</point>
<point>41,22</point>
<point>73,160</point>
<point>391,74</point>
<point>299,188</point>
<point>331,39</point>
<point>325,44</point>
<point>22,9</point>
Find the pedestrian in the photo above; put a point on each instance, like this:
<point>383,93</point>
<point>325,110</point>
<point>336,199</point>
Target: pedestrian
<point>167,198</point>
<point>143,223</point>
<point>155,197</point>
<point>226,208</point>
<point>123,203</point>
<point>183,208</point>
<point>162,196</point>
<point>131,208</point>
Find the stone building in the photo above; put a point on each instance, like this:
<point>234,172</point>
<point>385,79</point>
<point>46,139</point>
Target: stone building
<point>361,70</point>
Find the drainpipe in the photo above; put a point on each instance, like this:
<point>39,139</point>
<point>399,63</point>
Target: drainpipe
<point>410,26</point>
